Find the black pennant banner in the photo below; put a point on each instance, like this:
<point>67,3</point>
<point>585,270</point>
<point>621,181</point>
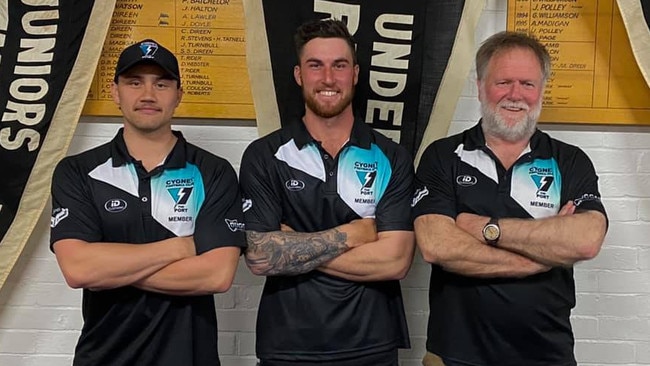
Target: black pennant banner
<point>48,54</point>
<point>403,48</point>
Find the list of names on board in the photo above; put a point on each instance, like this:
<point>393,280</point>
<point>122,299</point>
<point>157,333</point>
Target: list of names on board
<point>594,78</point>
<point>208,38</point>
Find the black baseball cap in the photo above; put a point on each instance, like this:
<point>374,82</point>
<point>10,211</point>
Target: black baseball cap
<point>148,51</point>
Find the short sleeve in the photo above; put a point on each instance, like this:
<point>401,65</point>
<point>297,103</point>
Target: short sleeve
<point>580,183</point>
<point>262,204</point>
<point>393,211</point>
<point>220,222</point>
<point>433,183</point>
<point>74,215</point>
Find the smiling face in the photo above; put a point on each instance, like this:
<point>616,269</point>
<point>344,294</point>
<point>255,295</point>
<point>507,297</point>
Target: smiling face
<point>147,98</point>
<point>327,75</point>
<point>511,94</point>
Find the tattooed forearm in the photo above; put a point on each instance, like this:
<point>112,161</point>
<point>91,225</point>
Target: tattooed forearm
<point>292,253</point>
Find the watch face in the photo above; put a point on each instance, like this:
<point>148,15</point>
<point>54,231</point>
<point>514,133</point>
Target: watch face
<point>491,232</point>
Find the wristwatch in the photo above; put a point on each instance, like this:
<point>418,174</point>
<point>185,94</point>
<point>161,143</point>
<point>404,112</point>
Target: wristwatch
<point>492,232</point>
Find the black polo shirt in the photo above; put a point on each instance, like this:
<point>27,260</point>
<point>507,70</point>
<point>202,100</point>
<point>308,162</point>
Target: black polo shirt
<point>286,177</point>
<point>104,195</point>
<point>503,321</point>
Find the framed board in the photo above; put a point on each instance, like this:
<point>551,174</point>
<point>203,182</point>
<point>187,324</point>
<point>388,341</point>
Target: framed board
<point>595,77</point>
<point>207,36</point>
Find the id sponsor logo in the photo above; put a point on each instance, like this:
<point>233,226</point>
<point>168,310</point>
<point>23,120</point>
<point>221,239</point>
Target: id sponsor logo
<point>115,205</point>
<point>466,180</point>
<point>294,185</point>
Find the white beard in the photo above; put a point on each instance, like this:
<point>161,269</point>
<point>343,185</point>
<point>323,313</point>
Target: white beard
<point>495,125</point>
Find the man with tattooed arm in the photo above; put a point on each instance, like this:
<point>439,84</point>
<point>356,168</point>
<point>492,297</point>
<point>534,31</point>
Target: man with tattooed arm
<point>327,210</point>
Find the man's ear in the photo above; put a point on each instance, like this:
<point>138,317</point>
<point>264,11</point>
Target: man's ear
<point>296,75</point>
<point>356,74</point>
<point>115,94</point>
<point>180,96</point>
<point>480,89</point>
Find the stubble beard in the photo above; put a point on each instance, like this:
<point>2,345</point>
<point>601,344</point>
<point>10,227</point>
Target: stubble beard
<point>147,126</point>
<point>327,110</point>
<point>495,125</point>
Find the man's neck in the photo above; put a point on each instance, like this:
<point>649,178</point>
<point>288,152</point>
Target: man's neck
<point>149,148</point>
<point>506,151</point>
<point>333,132</point>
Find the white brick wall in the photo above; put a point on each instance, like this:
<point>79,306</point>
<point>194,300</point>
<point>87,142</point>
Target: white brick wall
<point>40,317</point>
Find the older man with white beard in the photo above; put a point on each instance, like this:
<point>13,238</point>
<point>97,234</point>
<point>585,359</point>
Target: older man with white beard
<point>502,212</point>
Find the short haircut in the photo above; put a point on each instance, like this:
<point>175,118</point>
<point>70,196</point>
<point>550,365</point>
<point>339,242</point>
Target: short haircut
<point>505,41</point>
<point>327,28</point>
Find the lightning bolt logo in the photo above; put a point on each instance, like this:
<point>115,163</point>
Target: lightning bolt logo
<point>180,195</point>
<point>148,49</point>
<point>370,178</point>
<point>183,195</point>
<point>367,178</point>
<point>543,183</point>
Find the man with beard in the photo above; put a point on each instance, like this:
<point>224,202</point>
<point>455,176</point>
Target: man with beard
<point>327,210</point>
<point>502,212</point>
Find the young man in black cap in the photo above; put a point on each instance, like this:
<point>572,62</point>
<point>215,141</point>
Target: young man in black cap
<point>149,226</point>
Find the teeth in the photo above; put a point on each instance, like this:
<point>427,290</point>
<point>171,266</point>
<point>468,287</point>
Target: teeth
<point>514,108</point>
<point>328,93</point>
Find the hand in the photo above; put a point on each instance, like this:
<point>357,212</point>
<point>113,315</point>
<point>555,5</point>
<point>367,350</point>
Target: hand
<point>359,232</point>
<point>568,209</point>
<point>286,228</point>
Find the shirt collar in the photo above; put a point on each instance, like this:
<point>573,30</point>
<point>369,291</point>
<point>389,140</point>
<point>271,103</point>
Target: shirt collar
<point>361,134</point>
<point>121,156</point>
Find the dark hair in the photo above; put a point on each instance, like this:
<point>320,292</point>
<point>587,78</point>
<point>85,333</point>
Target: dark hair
<point>326,28</point>
<point>504,41</point>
